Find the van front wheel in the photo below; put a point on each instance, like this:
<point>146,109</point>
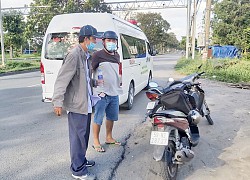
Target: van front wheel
<point>131,93</point>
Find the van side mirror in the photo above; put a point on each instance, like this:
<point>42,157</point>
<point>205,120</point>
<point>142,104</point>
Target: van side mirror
<point>153,52</point>
<point>150,49</point>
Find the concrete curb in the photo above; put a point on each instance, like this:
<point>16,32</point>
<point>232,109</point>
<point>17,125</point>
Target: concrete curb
<point>18,72</point>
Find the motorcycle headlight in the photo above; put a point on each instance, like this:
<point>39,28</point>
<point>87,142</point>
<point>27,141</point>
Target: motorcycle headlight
<point>196,116</point>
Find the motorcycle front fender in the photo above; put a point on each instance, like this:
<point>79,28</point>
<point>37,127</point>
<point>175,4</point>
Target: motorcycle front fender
<point>204,110</point>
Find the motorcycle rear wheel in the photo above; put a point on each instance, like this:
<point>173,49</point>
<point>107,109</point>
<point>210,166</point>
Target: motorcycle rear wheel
<point>169,168</point>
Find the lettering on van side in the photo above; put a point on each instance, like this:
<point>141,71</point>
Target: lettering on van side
<point>49,72</point>
<point>144,69</point>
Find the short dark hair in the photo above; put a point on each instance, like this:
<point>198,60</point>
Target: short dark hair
<point>81,38</point>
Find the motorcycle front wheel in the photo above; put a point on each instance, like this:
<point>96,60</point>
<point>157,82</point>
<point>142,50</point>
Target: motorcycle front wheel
<point>208,117</point>
<point>170,169</point>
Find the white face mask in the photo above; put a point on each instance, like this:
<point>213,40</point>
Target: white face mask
<point>110,46</point>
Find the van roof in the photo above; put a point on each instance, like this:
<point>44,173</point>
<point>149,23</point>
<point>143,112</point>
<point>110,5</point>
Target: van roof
<point>73,22</point>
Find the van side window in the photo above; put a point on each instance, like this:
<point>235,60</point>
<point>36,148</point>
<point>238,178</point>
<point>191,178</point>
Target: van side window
<point>125,48</point>
<point>133,47</point>
<point>141,46</point>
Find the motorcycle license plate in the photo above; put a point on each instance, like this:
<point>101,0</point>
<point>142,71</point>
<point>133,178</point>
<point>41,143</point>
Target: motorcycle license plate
<point>159,138</point>
<point>150,105</point>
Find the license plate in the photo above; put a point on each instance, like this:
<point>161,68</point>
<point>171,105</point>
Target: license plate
<point>159,138</point>
<point>150,105</point>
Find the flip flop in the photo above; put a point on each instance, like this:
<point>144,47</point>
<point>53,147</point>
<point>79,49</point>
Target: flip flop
<point>114,143</point>
<point>98,148</point>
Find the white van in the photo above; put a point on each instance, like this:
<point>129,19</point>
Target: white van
<point>136,66</point>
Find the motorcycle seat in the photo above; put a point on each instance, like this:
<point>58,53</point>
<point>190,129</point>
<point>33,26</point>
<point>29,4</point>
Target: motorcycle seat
<point>170,113</point>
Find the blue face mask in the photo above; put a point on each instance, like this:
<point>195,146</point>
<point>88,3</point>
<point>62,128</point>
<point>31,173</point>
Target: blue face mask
<point>91,46</point>
<point>110,46</point>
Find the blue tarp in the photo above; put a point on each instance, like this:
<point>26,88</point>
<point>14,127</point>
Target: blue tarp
<point>224,52</point>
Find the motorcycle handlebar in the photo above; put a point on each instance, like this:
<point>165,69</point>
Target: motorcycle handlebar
<point>199,74</point>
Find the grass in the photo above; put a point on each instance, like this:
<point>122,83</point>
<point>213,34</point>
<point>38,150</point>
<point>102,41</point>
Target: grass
<point>226,70</point>
<point>21,56</point>
<point>13,65</point>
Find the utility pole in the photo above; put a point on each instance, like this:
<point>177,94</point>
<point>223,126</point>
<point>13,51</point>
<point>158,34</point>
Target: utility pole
<point>2,36</point>
<point>207,27</point>
<point>194,29</point>
<point>188,27</point>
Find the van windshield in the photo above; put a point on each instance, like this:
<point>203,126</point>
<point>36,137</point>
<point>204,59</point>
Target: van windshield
<point>59,44</point>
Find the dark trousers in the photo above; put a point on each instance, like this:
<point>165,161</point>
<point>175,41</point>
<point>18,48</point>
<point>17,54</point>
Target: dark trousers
<point>79,128</point>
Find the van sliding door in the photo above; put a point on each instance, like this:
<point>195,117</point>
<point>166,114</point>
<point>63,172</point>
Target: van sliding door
<point>131,64</point>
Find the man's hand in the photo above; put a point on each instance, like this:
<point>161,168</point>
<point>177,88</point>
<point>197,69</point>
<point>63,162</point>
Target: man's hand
<point>58,111</point>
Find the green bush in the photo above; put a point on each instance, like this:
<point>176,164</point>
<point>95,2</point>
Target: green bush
<point>246,56</point>
<point>227,70</point>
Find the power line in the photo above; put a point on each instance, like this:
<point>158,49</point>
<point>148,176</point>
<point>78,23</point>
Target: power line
<point>146,4</point>
<point>23,10</point>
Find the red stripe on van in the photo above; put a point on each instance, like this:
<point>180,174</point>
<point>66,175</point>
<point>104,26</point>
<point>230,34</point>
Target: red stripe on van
<point>120,73</point>
<point>42,73</point>
<point>76,27</point>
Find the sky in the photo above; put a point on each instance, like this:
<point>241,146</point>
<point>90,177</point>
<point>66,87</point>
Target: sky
<point>177,17</point>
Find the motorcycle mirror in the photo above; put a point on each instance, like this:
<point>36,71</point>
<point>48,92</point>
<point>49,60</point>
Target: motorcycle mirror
<point>171,79</point>
<point>153,84</point>
<point>199,66</point>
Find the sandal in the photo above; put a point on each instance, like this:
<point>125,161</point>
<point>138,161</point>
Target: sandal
<point>114,143</point>
<point>98,148</point>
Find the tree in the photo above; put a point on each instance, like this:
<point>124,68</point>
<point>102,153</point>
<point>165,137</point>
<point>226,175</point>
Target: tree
<point>96,6</point>
<point>246,43</point>
<point>246,39</point>
<point>13,25</point>
<point>39,18</point>
<point>183,43</point>
<point>156,30</point>
<point>231,18</point>
<point>154,26</point>
<point>171,41</point>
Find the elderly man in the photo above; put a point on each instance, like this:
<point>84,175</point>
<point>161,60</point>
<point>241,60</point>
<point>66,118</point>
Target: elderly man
<point>73,91</point>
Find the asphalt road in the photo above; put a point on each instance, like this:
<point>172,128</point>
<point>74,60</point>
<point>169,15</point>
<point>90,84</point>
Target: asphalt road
<point>34,142</point>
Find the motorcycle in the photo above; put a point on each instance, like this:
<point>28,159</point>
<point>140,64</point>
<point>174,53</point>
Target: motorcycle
<point>175,112</point>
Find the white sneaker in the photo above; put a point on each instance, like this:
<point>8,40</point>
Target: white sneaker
<point>88,176</point>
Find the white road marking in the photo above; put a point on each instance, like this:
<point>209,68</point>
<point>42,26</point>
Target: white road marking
<point>34,85</point>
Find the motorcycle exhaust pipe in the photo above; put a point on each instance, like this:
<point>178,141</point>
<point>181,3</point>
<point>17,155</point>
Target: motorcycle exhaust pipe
<point>184,155</point>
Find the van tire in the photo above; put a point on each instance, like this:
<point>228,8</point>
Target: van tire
<point>149,79</point>
<point>131,94</point>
